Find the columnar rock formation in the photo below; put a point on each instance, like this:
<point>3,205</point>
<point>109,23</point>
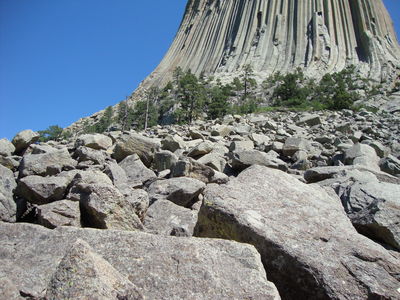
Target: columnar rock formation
<point>219,37</point>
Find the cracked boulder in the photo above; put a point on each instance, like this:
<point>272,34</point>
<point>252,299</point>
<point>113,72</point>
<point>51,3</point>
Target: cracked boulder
<point>59,213</point>
<point>8,207</point>
<point>84,274</point>
<point>307,243</point>
<point>182,191</point>
<point>160,267</point>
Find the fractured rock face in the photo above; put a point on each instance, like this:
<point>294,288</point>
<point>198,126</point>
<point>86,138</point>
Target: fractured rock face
<point>160,267</point>
<point>221,37</point>
<point>303,235</point>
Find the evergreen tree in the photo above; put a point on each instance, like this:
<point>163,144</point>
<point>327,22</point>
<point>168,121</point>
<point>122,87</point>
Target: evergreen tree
<point>52,133</point>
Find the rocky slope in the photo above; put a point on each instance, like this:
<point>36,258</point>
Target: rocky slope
<point>309,203</point>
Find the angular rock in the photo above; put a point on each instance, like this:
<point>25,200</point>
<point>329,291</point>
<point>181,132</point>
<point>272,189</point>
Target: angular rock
<point>59,213</point>
<point>309,120</point>
<point>8,290</point>
<point>138,200</point>
<point>42,190</point>
<point>136,171</point>
<point>85,154</point>
<point>321,173</point>
<point>213,160</point>
<point>374,210</point>
<point>164,160</point>
<point>390,165</point>
<point>182,191</point>
<point>133,143</point>
<point>302,232</point>
<point>23,139</point>
<point>95,141</point>
<point>260,139</point>
<point>294,144</point>
<point>166,218</point>
<point>191,168</point>
<point>363,155</point>
<point>241,160</point>
<point>117,175</point>
<point>104,207</point>
<point>221,130</point>
<point>6,147</point>
<point>241,146</point>
<point>10,162</point>
<point>47,163</point>
<point>83,274</point>
<point>173,143</point>
<point>8,208</point>
<point>201,149</point>
<point>161,267</point>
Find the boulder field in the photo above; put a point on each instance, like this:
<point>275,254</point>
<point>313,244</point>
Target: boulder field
<point>278,205</point>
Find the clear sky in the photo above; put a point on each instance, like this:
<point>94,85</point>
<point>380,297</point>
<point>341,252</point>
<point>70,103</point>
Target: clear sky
<point>61,60</point>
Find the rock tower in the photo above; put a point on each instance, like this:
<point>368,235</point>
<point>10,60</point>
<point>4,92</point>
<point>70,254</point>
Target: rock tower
<point>219,37</point>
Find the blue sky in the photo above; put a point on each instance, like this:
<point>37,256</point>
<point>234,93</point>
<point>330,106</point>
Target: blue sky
<point>61,60</point>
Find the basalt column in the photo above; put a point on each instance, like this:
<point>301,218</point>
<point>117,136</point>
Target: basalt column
<point>220,37</point>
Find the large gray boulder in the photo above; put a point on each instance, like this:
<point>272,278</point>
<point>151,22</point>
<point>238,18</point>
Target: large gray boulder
<point>134,143</point>
<point>303,235</point>
<point>241,160</point>
<point>173,143</point>
<point>294,144</point>
<point>390,165</point>
<point>90,156</point>
<point>105,207</point>
<point>136,171</point>
<point>42,190</point>
<point>188,167</point>
<point>164,160</point>
<point>363,155</point>
<point>95,141</point>
<point>167,218</point>
<point>374,210</point>
<point>160,267</point>
<point>23,139</point>
<point>8,208</point>
<point>83,274</point>
<point>59,213</point>
<point>49,163</point>
<point>182,191</point>
<point>6,147</point>
<point>201,149</point>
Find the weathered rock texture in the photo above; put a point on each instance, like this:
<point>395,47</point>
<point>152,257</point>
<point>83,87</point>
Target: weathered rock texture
<point>220,37</point>
<point>160,267</point>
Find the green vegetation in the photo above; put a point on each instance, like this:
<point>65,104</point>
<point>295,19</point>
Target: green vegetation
<point>53,133</point>
<point>188,97</point>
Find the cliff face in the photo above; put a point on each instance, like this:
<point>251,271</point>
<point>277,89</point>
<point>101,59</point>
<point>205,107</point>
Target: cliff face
<point>219,37</point>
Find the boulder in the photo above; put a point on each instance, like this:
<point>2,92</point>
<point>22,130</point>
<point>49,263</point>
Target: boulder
<point>363,155</point>
<point>321,173</point>
<point>164,160</point>
<point>83,274</point>
<point>214,160</point>
<point>136,171</point>
<point>95,141</point>
<point>10,162</point>
<point>8,208</point>
<point>8,290</point>
<point>259,139</point>
<point>191,168</point>
<point>241,160</point>
<point>23,139</point>
<point>117,174</point>
<point>160,267</point>
<point>310,120</point>
<point>173,143</point>
<point>59,213</point>
<point>42,190</point>
<point>182,191</point>
<point>374,210</point>
<point>241,146</point>
<point>166,218</point>
<point>133,143</point>
<point>45,164</point>
<point>306,241</point>
<point>6,147</point>
<point>201,149</point>
<point>104,207</point>
<point>294,144</point>
<point>85,154</point>
<point>390,165</point>
<point>221,130</point>
<point>138,199</point>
